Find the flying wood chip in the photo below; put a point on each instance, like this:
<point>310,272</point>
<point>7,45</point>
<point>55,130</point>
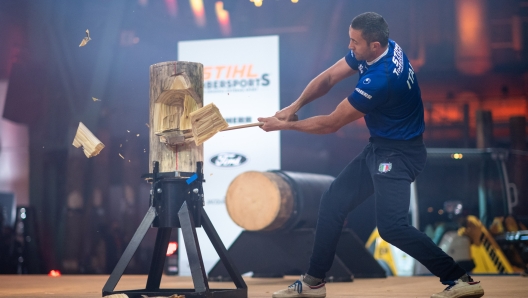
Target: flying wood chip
<point>90,143</point>
<point>95,99</point>
<point>86,39</point>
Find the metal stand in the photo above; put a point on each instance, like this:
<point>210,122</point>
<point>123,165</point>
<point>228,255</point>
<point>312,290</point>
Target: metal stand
<point>178,193</point>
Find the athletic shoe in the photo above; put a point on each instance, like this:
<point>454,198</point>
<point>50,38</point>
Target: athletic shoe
<point>462,287</point>
<point>301,289</point>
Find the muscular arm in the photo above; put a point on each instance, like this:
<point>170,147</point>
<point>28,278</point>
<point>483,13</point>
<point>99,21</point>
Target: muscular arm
<point>342,115</point>
<point>318,87</point>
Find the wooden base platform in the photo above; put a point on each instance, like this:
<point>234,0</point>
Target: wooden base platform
<point>36,286</point>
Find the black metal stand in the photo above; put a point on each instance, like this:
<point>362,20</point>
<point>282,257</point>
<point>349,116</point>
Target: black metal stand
<point>181,192</point>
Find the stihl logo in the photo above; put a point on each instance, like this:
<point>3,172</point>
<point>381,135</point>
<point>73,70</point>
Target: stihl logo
<point>234,78</point>
<point>229,72</point>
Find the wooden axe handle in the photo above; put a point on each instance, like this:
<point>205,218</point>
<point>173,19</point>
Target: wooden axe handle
<point>189,134</point>
<point>243,126</point>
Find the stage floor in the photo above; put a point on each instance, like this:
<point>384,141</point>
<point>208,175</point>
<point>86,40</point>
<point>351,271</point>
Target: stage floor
<point>91,286</point>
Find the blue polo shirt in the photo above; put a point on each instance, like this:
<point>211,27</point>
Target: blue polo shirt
<point>388,94</point>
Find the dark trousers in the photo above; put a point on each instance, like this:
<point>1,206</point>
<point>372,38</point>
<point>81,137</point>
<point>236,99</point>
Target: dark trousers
<point>386,169</point>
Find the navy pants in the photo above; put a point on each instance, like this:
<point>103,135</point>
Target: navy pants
<point>386,169</point>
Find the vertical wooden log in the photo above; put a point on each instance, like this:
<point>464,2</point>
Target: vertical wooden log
<point>176,90</point>
<point>484,129</point>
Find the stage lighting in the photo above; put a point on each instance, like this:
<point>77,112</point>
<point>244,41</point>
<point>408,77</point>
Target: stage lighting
<point>54,273</point>
<point>199,12</point>
<point>223,18</point>
<point>171,249</point>
<point>258,3</point>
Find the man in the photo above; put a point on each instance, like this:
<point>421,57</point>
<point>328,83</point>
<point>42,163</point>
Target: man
<point>387,95</point>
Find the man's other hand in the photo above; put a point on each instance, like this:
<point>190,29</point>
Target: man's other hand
<point>272,123</point>
<point>286,114</point>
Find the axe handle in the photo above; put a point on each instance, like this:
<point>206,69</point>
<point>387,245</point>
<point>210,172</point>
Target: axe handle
<point>243,126</point>
<point>189,134</point>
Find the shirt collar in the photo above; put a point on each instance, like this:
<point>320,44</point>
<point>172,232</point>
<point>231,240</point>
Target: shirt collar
<point>379,57</point>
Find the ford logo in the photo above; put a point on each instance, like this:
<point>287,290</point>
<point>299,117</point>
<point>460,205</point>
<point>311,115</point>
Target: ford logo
<point>228,160</point>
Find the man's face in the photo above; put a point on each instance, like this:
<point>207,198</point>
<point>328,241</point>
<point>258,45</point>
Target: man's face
<point>358,45</point>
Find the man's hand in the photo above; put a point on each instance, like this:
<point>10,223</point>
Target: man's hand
<point>272,123</point>
<point>287,114</point>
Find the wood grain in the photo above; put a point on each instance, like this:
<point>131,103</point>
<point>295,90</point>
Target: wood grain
<point>259,201</point>
<point>176,90</point>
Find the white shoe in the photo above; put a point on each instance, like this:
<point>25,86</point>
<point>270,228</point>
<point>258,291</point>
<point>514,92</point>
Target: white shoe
<point>460,288</point>
<point>301,289</point>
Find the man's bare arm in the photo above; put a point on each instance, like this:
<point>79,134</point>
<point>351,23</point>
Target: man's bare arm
<point>318,87</point>
<point>342,115</point>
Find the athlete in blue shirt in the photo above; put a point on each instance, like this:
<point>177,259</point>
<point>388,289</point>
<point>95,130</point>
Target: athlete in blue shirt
<point>388,97</point>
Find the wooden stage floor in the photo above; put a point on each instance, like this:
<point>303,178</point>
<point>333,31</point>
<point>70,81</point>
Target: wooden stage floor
<point>91,286</point>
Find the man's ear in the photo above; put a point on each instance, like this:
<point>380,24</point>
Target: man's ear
<point>375,45</point>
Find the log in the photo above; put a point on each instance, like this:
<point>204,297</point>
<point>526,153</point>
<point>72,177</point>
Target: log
<point>259,201</point>
<point>176,90</point>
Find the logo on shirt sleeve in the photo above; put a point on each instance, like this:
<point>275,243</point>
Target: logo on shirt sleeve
<point>368,96</point>
<point>366,81</point>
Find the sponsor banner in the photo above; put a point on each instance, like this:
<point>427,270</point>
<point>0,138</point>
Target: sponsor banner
<point>241,77</point>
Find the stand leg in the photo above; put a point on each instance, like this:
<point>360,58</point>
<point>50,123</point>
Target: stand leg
<point>222,252</point>
<point>158,258</point>
<point>130,250</point>
<point>193,249</point>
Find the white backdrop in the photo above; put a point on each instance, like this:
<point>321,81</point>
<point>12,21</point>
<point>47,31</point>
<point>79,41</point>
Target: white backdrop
<point>241,77</point>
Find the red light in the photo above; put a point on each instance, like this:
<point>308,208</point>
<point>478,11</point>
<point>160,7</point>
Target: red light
<point>172,7</point>
<point>173,246</point>
<point>54,273</point>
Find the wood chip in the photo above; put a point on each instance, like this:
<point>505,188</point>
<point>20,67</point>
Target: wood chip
<point>95,99</point>
<point>86,39</point>
<point>90,143</point>
<point>121,156</point>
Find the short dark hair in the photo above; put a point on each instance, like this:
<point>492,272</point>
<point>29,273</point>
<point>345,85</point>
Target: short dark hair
<point>373,27</point>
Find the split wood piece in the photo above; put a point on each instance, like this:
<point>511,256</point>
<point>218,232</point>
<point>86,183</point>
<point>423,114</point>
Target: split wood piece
<point>259,201</point>
<point>206,122</point>
<point>90,143</point>
<point>174,104</point>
